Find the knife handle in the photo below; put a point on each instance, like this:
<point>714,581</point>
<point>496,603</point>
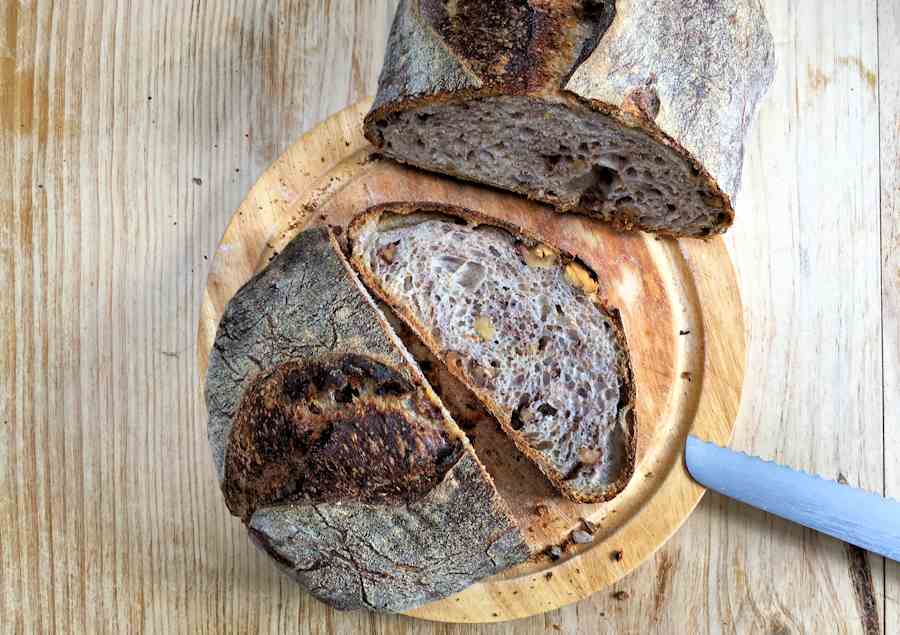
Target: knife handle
<point>849,514</point>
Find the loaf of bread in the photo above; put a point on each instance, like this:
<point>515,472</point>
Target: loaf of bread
<point>522,325</point>
<point>335,452</point>
<point>633,112</point>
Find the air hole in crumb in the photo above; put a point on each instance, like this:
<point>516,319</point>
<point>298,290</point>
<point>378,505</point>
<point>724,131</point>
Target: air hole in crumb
<point>547,410</point>
<point>722,217</point>
<point>670,207</point>
<point>551,160</point>
<point>515,420</point>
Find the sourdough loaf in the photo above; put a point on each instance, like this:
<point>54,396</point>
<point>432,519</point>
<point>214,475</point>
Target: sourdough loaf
<point>633,112</point>
<point>334,451</point>
<point>522,325</point>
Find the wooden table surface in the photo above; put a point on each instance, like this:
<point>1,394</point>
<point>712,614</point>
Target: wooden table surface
<point>129,132</point>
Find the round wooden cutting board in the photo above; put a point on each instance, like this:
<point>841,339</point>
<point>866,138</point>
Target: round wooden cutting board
<point>681,310</point>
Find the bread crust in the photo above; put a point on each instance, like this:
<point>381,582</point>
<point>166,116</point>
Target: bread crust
<point>370,218</point>
<point>693,89</point>
<point>333,449</point>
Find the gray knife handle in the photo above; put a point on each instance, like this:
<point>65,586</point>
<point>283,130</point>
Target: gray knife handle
<point>849,514</point>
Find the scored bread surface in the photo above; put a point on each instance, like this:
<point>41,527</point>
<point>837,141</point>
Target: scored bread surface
<point>335,452</point>
<point>522,325</point>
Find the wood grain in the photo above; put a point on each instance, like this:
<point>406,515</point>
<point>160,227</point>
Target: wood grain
<point>889,118</point>
<point>109,513</point>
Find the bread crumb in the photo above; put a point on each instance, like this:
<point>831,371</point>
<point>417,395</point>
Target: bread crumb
<point>616,555</point>
<point>548,575</point>
<point>687,375</point>
<point>578,276</point>
<point>621,595</point>
<point>485,328</point>
<point>581,537</point>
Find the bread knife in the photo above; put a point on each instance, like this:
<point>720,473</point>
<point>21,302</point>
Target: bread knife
<point>861,518</point>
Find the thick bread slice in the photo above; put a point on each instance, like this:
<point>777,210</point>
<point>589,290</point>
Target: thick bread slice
<point>633,112</point>
<point>335,452</point>
<point>522,325</point>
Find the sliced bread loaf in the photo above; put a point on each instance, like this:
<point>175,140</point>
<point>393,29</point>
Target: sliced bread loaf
<point>633,112</point>
<point>335,452</point>
<point>522,325</point>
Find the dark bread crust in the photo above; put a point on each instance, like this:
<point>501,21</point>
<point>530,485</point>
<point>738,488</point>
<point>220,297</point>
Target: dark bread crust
<point>327,439</point>
<point>694,90</point>
<point>504,415</point>
<point>337,429</point>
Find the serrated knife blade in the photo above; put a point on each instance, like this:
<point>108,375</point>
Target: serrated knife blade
<point>861,518</point>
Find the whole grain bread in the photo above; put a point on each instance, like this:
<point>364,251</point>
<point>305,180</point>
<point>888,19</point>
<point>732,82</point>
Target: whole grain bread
<point>335,452</point>
<point>521,324</point>
<point>633,112</point>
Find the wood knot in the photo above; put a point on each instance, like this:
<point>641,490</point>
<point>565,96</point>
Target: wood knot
<point>642,101</point>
